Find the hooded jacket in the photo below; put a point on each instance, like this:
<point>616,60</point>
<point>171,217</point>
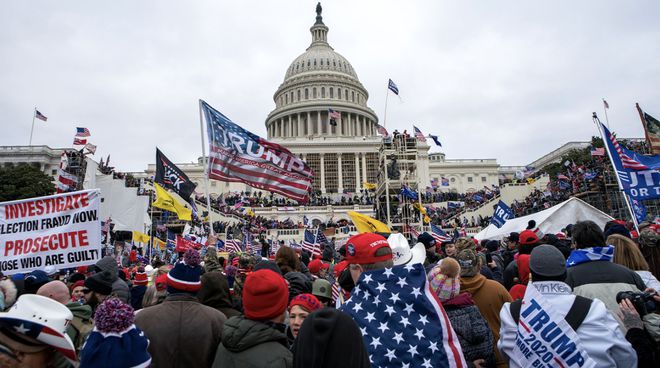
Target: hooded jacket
<point>489,296</point>
<point>298,284</point>
<point>215,293</point>
<point>119,286</point>
<point>82,316</point>
<point>330,338</point>
<point>472,330</point>
<point>252,344</point>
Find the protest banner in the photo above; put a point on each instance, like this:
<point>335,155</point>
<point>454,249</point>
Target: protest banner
<point>544,338</point>
<point>62,230</point>
<point>501,215</point>
<point>183,244</point>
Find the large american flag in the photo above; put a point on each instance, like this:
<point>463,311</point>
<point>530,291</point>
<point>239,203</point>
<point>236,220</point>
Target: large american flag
<point>334,115</point>
<point>82,132</point>
<point>232,245</point>
<point>626,160</point>
<point>419,135</point>
<point>439,235</point>
<point>237,155</point>
<point>310,243</point>
<point>402,321</point>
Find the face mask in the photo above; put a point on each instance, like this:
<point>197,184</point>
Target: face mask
<point>345,280</point>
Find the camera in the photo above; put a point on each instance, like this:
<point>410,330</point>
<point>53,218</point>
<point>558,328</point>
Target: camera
<point>642,301</point>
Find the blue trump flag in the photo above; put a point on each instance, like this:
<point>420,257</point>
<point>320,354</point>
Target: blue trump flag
<point>501,215</point>
<point>402,321</point>
<point>435,140</point>
<point>409,193</point>
<point>638,174</point>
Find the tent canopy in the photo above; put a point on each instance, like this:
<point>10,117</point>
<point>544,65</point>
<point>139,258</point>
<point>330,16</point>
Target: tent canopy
<point>549,221</point>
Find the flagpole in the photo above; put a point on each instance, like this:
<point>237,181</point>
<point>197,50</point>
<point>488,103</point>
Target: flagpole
<point>605,107</point>
<point>151,228</point>
<point>206,173</point>
<point>32,130</point>
<point>387,94</point>
<point>616,174</point>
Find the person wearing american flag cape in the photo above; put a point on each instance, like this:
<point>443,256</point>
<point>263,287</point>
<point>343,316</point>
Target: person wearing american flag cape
<point>402,321</point>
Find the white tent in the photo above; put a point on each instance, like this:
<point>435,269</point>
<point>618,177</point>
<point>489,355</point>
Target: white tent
<point>549,221</point>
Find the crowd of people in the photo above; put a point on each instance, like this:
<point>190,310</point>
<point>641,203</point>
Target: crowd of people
<point>378,300</point>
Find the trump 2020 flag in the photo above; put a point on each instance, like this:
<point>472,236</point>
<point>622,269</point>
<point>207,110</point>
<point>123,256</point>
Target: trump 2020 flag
<point>402,321</point>
<point>501,215</point>
<point>237,155</point>
<point>171,177</point>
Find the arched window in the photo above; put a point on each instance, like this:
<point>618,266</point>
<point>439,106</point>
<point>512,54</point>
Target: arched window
<point>321,62</point>
<point>334,63</point>
<point>314,62</point>
<point>332,92</point>
<point>346,94</point>
<point>306,94</point>
<point>314,92</point>
<point>353,96</point>
<point>322,89</point>
<point>298,95</point>
<point>308,63</point>
<point>286,98</point>
<point>291,98</point>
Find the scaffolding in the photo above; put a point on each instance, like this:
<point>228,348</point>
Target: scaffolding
<point>398,169</point>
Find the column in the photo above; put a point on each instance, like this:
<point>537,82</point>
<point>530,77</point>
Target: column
<point>358,183</point>
<point>301,130</point>
<point>318,123</point>
<point>340,183</point>
<point>364,167</point>
<point>322,172</point>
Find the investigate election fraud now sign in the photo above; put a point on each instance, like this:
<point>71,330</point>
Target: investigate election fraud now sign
<point>62,230</point>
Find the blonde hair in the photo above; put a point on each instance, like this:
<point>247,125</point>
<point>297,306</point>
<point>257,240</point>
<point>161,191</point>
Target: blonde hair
<point>626,253</point>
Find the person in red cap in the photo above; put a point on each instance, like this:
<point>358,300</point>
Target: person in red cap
<point>318,268</point>
<point>299,308</point>
<point>258,338</point>
<point>517,272</point>
<point>366,252</point>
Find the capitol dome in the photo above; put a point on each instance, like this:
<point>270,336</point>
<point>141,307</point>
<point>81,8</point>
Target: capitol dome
<point>321,96</point>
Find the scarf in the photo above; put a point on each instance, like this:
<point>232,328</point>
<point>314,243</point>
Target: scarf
<point>590,254</point>
<point>444,287</point>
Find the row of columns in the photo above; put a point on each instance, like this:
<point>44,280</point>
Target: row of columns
<point>360,157</point>
<point>294,125</point>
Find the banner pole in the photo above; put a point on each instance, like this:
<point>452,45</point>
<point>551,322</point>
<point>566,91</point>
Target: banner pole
<point>32,129</point>
<point>151,228</point>
<point>387,94</point>
<point>616,174</point>
<point>206,168</point>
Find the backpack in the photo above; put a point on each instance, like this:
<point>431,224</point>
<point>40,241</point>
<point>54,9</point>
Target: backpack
<point>574,317</point>
<point>81,329</point>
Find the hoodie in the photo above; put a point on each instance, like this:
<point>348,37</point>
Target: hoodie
<point>251,344</point>
<point>215,293</point>
<point>489,296</point>
<point>119,286</point>
<point>81,325</point>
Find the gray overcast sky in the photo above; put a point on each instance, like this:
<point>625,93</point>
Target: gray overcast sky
<point>510,80</point>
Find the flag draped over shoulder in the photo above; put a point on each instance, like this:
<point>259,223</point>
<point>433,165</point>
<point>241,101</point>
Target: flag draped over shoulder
<point>165,201</point>
<point>237,155</point>
<point>402,321</point>
<point>171,177</point>
<point>366,224</point>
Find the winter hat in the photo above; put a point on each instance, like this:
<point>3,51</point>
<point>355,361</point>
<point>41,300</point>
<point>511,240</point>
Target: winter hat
<point>265,295</point>
<point>317,265</point>
<point>161,282</point>
<point>100,282</point>
<point>362,248</point>
<point>514,237</point>
<point>616,229</point>
<point>115,341</point>
<point>307,302</point>
<point>547,260</point>
<point>426,239</point>
<point>528,237</point>
<point>76,284</point>
<point>55,290</point>
<point>444,279</point>
<point>141,278</point>
<point>469,263</point>
<point>465,243</point>
<point>269,265</point>
<point>321,288</point>
<point>81,269</point>
<point>76,277</point>
<point>184,277</point>
<point>34,280</point>
<point>492,245</point>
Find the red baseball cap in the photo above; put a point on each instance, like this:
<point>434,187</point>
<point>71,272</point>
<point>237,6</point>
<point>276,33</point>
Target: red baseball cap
<point>362,248</point>
<point>528,237</point>
<point>317,265</point>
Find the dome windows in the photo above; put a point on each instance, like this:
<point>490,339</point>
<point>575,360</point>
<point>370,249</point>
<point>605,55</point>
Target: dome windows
<point>306,94</point>
<point>352,96</point>
<point>322,88</point>
<point>298,95</point>
<point>332,93</point>
<point>314,92</point>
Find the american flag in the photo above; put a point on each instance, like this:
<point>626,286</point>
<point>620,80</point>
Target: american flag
<point>82,132</point>
<point>237,155</point>
<point>598,151</point>
<point>91,148</point>
<point>336,291</point>
<point>334,115</point>
<point>418,134</point>
<point>402,321</point>
<point>392,87</point>
<point>79,142</point>
<point>439,235</point>
<point>434,183</point>
<point>562,177</point>
<point>382,131</point>
<point>412,231</point>
<point>626,161</point>
<point>40,116</point>
<point>247,240</point>
<point>232,245</point>
<point>320,238</point>
<point>310,244</point>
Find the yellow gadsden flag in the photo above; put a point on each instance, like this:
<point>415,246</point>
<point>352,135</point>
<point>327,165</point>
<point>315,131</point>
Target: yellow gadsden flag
<point>139,237</point>
<point>366,224</point>
<point>165,201</point>
<point>369,186</point>
<point>159,243</point>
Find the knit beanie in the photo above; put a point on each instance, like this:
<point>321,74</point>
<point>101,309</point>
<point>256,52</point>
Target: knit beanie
<point>426,239</point>
<point>141,278</point>
<point>100,282</point>
<point>115,341</point>
<point>76,284</point>
<point>444,279</point>
<point>161,282</point>
<point>307,302</point>
<point>265,295</point>
<point>184,277</point>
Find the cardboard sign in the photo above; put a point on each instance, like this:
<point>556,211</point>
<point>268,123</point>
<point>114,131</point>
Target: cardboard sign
<point>62,230</point>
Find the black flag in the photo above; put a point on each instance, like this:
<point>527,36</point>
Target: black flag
<point>170,176</point>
